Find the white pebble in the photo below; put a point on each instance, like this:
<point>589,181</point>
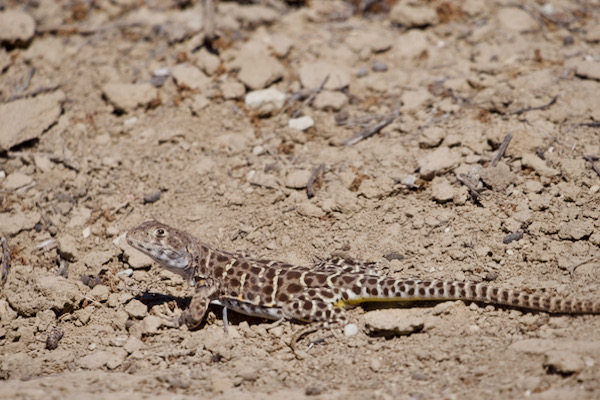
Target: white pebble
<point>350,330</point>
<point>302,123</point>
<point>125,272</point>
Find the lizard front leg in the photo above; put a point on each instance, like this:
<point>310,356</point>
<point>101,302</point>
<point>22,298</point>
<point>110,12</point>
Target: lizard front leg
<point>194,314</point>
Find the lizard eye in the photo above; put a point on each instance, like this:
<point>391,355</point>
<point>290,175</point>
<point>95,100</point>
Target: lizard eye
<point>160,232</point>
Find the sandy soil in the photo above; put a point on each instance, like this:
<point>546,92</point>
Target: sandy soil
<point>111,114</point>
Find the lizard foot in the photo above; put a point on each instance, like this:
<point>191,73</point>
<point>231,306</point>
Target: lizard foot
<point>171,318</point>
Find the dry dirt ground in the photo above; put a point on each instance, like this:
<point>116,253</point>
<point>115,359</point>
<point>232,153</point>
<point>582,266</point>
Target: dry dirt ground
<point>113,113</point>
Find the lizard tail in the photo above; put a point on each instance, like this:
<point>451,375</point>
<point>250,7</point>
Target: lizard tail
<point>388,289</point>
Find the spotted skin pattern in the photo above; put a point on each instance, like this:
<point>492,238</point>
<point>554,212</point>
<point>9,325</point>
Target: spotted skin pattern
<point>315,294</point>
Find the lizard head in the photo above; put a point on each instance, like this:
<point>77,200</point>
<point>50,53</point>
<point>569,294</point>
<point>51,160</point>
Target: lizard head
<point>170,247</point>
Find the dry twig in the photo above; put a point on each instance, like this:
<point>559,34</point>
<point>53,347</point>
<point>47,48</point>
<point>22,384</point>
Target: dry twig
<point>526,109</point>
<point>464,179</point>
<point>501,150</point>
<point>592,160</point>
<point>369,131</point>
<point>310,96</point>
<point>314,181</point>
<point>5,261</point>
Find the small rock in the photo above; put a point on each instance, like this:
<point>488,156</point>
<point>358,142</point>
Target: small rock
<point>69,250</point>
<point>136,259</point>
<point>276,331</point>
<point>308,209</point>
<point>377,188</point>
<point>16,180</point>
<point>42,163</point>
<point>498,177</point>
<point>199,103</point>
<point>516,20</point>
<point>280,44</point>
<point>392,322</point>
<point>431,137</point>
<point>415,100</point>
<point>511,237</point>
<point>258,69</point>
<point>53,338</point>
<point>207,61</point>
<point>539,202</point>
<point>569,190</point>
<point>413,15</point>
<point>576,230</point>
<point>312,75</point>
<point>330,101</point>
<point>409,180</point>
<point>126,97</point>
<point>297,179</point>
<point>96,360</point>
<point>255,15</point>
<point>26,119</point>
<point>136,309</point>
<point>375,364</point>
<point>152,197</point>
<point>232,90</point>
<point>412,43</point>
<point>437,161</point>
<point>16,27</point>
<point>563,362</point>
<point>46,293</point>
<point>160,76</point>
<point>302,123</point>
<point>100,293</point>
<point>133,344</point>
<point>191,77</point>
<point>593,34</point>
<point>150,325</point>
<point>112,231</point>
<point>588,70</point>
<point>266,101</point>
<point>116,358</point>
<point>443,308</point>
<point>350,330</point>
<point>95,259</point>
<point>379,67</point>
<point>441,190</point>
<point>363,71</point>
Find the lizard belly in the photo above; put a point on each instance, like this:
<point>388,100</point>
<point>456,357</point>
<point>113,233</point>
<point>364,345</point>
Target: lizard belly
<point>250,309</point>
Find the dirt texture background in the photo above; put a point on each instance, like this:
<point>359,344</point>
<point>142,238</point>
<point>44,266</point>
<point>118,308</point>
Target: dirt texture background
<point>112,113</point>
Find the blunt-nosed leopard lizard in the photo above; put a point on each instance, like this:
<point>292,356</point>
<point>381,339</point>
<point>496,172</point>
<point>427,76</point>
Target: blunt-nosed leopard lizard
<point>316,294</point>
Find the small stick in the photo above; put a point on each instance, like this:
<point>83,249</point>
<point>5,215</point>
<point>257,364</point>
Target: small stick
<point>501,150</point>
<point>315,177</point>
<point>464,179</point>
<point>371,130</point>
<point>592,160</point>
<point>6,263</point>
<point>309,99</point>
<point>574,267</point>
<point>208,19</point>
<point>595,124</point>
<point>526,109</point>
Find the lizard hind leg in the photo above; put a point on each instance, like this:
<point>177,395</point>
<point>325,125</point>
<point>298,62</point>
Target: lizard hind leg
<point>317,307</point>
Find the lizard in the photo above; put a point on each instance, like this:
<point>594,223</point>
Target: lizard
<point>315,294</point>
